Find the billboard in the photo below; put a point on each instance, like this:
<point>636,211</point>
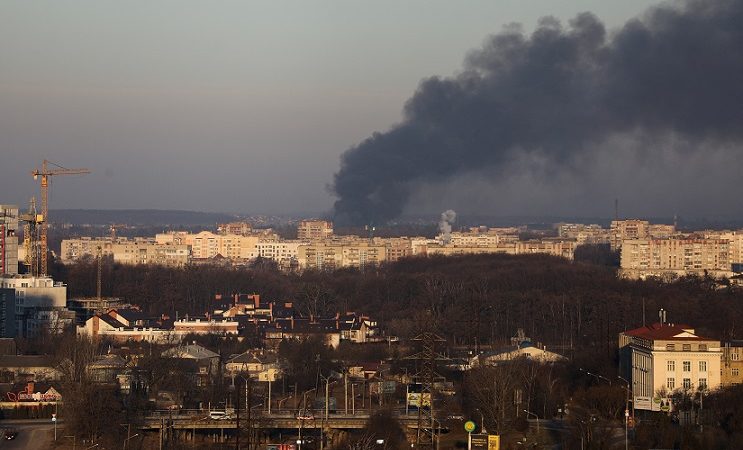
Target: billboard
<point>414,399</point>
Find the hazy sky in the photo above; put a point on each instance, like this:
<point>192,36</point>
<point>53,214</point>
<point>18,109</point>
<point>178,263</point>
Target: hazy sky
<point>230,105</point>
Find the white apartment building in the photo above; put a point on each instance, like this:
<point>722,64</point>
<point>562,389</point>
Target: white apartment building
<point>40,303</point>
<point>279,250</point>
<point>679,256</point>
<point>663,358</point>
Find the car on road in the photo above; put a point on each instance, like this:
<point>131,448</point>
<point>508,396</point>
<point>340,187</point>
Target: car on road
<point>10,434</point>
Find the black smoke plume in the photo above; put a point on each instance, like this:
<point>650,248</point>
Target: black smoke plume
<point>555,95</point>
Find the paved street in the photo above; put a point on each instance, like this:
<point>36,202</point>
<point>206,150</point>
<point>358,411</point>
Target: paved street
<point>32,434</point>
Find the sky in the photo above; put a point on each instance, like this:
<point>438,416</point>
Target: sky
<point>246,106</point>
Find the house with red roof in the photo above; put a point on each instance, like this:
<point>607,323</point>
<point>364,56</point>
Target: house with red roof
<point>666,358</point>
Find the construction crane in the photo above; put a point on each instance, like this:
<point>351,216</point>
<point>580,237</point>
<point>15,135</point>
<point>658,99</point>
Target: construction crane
<point>31,237</point>
<point>43,175</point>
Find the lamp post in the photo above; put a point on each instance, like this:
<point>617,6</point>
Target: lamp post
<point>537,417</point>
<point>626,414</point>
<point>595,375</point>
<point>126,441</point>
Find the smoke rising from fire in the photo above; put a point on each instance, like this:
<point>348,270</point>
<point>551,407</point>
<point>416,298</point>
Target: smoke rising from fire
<point>557,95</point>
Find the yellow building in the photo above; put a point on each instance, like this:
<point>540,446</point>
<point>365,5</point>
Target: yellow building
<point>669,258</point>
<point>330,256</point>
<point>732,363</point>
<point>314,229</point>
<point>662,358</point>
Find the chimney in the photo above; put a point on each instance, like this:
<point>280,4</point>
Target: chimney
<point>257,300</point>
<point>30,388</point>
<point>292,316</point>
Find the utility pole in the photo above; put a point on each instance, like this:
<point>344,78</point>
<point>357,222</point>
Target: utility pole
<point>426,432</point>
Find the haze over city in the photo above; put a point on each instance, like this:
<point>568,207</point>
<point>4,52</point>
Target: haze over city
<point>247,107</point>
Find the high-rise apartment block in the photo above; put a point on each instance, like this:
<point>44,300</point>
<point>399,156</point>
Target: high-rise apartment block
<point>314,229</point>
<point>674,257</point>
<point>8,240</point>
<point>622,230</point>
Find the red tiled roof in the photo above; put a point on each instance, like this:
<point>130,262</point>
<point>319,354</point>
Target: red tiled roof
<point>665,332</point>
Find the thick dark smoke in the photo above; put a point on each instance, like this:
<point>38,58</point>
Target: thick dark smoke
<point>556,95</point>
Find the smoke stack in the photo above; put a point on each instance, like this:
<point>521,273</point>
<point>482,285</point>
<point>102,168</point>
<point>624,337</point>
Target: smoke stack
<point>447,217</point>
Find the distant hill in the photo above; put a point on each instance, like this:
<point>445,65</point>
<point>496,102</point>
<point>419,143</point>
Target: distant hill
<point>142,217</point>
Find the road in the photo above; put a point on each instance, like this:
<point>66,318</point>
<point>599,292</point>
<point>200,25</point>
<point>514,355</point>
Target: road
<point>32,434</point>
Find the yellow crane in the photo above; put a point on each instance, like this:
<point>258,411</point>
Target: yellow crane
<point>31,237</point>
<point>43,175</point>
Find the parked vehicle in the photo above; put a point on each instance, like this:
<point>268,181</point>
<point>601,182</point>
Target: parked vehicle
<point>219,415</point>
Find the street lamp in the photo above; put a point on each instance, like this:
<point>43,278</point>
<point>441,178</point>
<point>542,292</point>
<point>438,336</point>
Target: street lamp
<point>595,375</point>
<point>126,441</point>
<point>626,414</point>
<point>537,417</point>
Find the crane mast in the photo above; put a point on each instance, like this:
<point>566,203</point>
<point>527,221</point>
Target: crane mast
<point>43,175</point>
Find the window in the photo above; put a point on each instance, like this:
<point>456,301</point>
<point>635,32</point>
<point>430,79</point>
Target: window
<point>687,366</point>
<point>735,356</point>
<point>734,372</point>
<point>671,366</point>
<point>702,383</point>
<point>686,347</point>
<point>702,366</point>
<point>687,383</point>
<point>670,347</point>
<point>702,347</point>
<point>671,383</point>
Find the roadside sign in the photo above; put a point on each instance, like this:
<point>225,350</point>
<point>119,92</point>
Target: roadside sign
<point>480,442</point>
<point>494,442</point>
<point>469,426</point>
<point>54,417</point>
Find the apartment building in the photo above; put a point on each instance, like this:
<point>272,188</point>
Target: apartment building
<point>7,313</point>
<point>40,303</point>
<point>8,240</point>
<point>584,234</point>
<point>207,245</point>
<point>674,257</point>
<point>279,250</point>
<point>663,358</point>
<point>732,363</point>
<point>138,252</point>
<point>397,248</point>
<point>239,228</point>
<point>331,255</point>
<point>555,247</point>
<point>314,229</point>
<point>75,249</point>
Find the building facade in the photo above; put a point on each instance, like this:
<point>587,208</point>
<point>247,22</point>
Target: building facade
<point>661,359</point>
<point>314,229</point>
<point>677,256</point>
<point>8,240</point>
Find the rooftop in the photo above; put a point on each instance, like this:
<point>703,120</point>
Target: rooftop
<point>666,332</point>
